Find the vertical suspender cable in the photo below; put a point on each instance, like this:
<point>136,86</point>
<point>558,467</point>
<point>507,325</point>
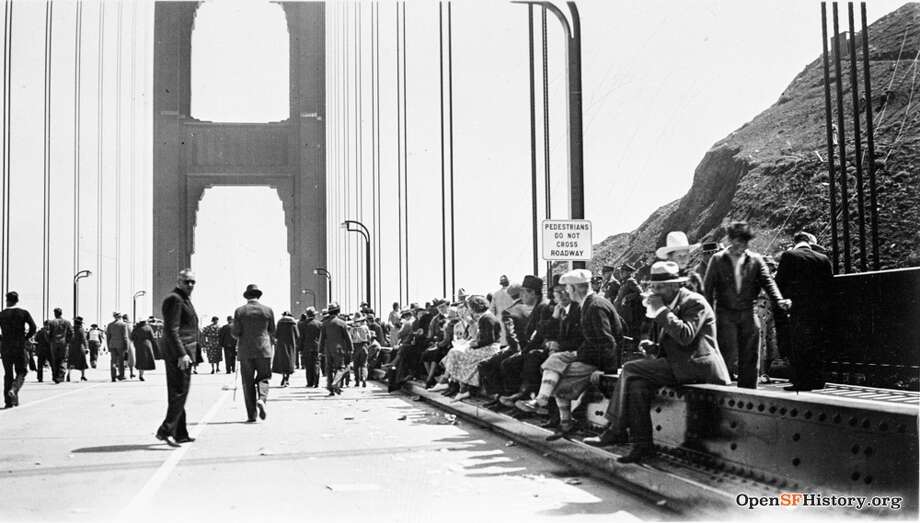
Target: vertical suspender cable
<point>375,132</point>
<point>118,143</point>
<point>100,90</point>
<point>450,135</point>
<point>78,34</point>
<point>547,181</point>
<point>405,145</point>
<point>46,217</point>
<point>841,143</point>
<point>857,144</point>
<point>7,76</point>
<point>132,150</point>
<point>533,137</point>
<point>399,191</point>
<point>829,131</point>
<point>377,126</point>
<point>347,193</point>
<point>359,130</point>
<point>443,181</point>
<point>870,141</point>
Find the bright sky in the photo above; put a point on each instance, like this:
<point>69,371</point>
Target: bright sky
<point>662,81</point>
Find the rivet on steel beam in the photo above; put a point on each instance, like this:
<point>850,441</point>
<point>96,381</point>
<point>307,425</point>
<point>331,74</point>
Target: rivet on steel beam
<point>795,462</point>
<point>796,437</point>
<point>853,422</point>
<point>854,449</point>
<point>657,427</point>
<point>760,407</point>
<point>807,414</point>
<point>794,412</point>
<point>868,451</point>
<point>822,416</point>
<point>883,426</point>
<point>837,418</point>
<point>731,403</point>
<point>867,480</point>
<point>782,411</point>
<point>866,423</point>
<point>855,476</point>
<point>733,424</point>
<point>734,446</point>
<point>772,409</point>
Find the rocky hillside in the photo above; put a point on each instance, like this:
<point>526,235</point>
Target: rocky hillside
<point>771,172</point>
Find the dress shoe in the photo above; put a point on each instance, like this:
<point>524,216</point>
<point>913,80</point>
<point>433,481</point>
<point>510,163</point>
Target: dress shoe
<point>608,437</point>
<point>261,406</point>
<point>550,424</point>
<point>508,401</point>
<point>251,420</point>
<point>637,454</point>
<point>187,439</point>
<point>491,404</point>
<point>141,378</point>
<point>83,378</point>
<point>169,440</point>
<point>462,396</point>
<point>331,393</point>
<point>531,406</point>
<point>564,429</point>
<point>439,387</point>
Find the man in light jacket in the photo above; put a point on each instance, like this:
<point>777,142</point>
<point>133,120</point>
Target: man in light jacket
<point>116,334</point>
<point>254,330</point>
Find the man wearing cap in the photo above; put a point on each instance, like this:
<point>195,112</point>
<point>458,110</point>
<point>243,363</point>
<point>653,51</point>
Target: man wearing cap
<point>628,301</point>
<point>228,343</point>
<point>117,336</point>
<point>335,343</point>
<point>180,341</point>
<point>254,330</point>
<point>601,327</point>
<point>805,277</point>
<point>309,328</point>
<point>13,336</point>
<point>60,332</point>
<point>687,338</point>
<point>611,284</point>
<point>733,282</point>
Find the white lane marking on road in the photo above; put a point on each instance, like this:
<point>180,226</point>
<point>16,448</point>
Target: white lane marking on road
<point>138,504</point>
<point>49,398</point>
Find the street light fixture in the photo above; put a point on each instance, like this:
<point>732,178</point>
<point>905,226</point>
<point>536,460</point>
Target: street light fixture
<point>76,289</point>
<point>321,271</point>
<point>358,227</point>
<point>309,292</point>
<point>134,304</point>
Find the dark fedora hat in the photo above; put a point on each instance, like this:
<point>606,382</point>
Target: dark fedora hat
<point>334,308</point>
<point>252,291</point>
<point>533,283</point>
<point>710,247</point>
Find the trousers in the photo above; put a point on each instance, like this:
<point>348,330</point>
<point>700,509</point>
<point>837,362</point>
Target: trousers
<point>632,397</point>
<point>58,360</point>
<point>177,385</point>
<point>738,334</point>
<point>117,363</point>
<point>230,358</point>
<point>521,372</point>
<point>311,366</point>
<point>44,356</point>
<point>93,353</point>
<point>14,375</point>
<point>254,374</point>
<point>490,373</point>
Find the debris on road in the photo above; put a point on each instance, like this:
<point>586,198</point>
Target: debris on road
<point>510,444</point>
<point>573,481</point>
<point>401,418</point>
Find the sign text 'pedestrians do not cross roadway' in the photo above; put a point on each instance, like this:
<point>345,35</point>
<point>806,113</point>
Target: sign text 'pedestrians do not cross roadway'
<point>566,240</point>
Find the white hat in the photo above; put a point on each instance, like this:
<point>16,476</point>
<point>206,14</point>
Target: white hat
<point>665,272</point>
<point>576,276</point>
<point>676,241</point>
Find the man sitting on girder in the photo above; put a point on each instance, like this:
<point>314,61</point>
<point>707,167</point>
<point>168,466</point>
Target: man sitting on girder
<point>690,354</point>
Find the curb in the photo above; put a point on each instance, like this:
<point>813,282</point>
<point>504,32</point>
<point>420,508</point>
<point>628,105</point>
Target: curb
<point>664,489</point>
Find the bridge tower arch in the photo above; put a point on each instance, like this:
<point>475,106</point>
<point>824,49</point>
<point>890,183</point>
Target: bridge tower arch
<point>191,155</point>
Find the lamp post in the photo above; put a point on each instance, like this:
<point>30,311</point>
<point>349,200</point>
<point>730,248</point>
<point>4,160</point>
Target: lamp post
<point>76,289</point>
<point>321,271</point>
<point>358,227</point>
<point>310,293</point>
<point>134,304</point>
<point>576,142</point>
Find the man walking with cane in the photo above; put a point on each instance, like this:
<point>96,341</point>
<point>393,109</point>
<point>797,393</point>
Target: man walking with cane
<point>180,340</point>
<point>254,330</point>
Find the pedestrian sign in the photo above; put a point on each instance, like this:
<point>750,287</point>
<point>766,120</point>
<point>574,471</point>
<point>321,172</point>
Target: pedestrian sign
<point>566,240</point>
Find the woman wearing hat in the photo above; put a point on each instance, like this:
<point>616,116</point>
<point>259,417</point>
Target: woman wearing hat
<point>463,366</point>
<point>144,347</point>
<point>287,337</point>
<point>77,350</point>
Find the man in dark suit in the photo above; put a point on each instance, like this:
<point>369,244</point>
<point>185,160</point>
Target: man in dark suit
<point>254,330</point>
<point>734,279</point>
<point>628,301</point>
<point>335,343</point>
<point>804,276</point>
<point>226,340</point>
<point>118,338</point>
<point>180,341</point>
<point>611,285</point>
<point>43,349</point>
<point>309,346</point>
<point>60,332</point>
<point>691,355</point>
<point>13,336</point>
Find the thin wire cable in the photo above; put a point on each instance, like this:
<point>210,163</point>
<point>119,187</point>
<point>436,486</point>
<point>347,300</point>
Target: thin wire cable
<point>7,128</point>
<point>450,111</point>
<point>359,130</point>
<point>119,29</point>
<point>100,92</point>
<point>443,173</point>
<point>547,180</point>
<point>132,151</point>
<point>399,197</point>
<point>78,33</point>
<point>46,215</point>
<point>533,135</point>
<point>405,145</point>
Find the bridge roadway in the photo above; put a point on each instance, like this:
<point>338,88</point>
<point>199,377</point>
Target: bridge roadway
<point>86,452</point>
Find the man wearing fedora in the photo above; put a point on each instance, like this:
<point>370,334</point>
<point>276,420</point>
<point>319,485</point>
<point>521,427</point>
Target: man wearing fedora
<point>677,249</point>
<point>733,282</point>
<point>687,338</point>
<point>13,336</point>
<point>309,328</point>
<point>180,341</point>
<point>254,330</point>
<point>628,301</point>
<point>335,343</point>
<point>611,284</point>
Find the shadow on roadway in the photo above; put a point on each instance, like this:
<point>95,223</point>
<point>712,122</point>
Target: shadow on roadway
<point>122,448</point>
